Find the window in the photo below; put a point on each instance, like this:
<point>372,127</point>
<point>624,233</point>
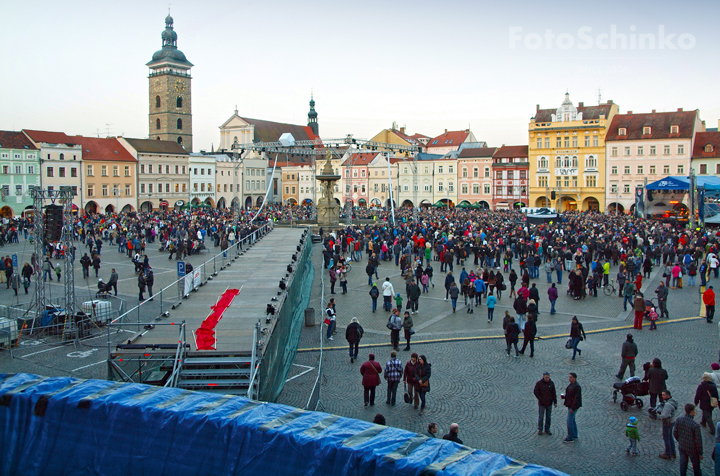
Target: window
<point>178,102</point>
<point>89,170</point>
<point>558,182</point>
<point>640,170</point>
<point>622,131</point>
<point>183,170</point>
<point>142,168</point>
<point>596,140</point>
<point>575,182</point>
<point>179,140</point>
<point>157,101</point>
<point>104,190</point>
<point>574,161</point>
<point>463,189</point>
<point>440,169</point>
<point>31,169</point>
<point>450,169</point>
<point>613,152</point>
<point>103,170</point>
<point>510,190</point>
<point>652,150</point>
<point>287,189</point>
<point>49,172</point>
<point>363,189</point>
<point>567,182</point>
<point>558,162</point>
<point>558,142</point>
<point>666,169</point>
<point>574,139</point>
<point>62,156</point>
<point>626,170</point>
<point>476,172</point>
<point>587,141</point>
<point>652,170</point>
<point>61,172</point>
<point>591,181</point>
<point>626,188</point>
<point>426,187</point>
<point>543,163</point>
<point>674,129</point>
<point>18,189</point>
<point>127,190</point>
<point>224,188</point>
<point>184,187</point>
<point>523,174</point>
<point>498,190</point>
<point>487,172</point>
<point>116,171</point>
<point>157,123</point>
<point>614,188</point>
<point>614,170</point>
<point>150,168</point>
<point>293,190</point>
<point>127,170</point>
<point>627,151</point>
<point>542,181</point>
<point>202,186</point>
<point>590,162</point>
<point>539,143</point>
<point>362,173</point>
<point>567,142</point>
<point>486,189</point>
<point>440,187</point>
<point>647,130</point>
<point>666,150</point>
<point>681,170</point>
<point>142,188</point>
<point>451,187</point>
<point>547,142</point>
<point>708,148</point>
<point>641,150</point>
<point>247,185</point>
<point>681,150</point>
<point>179,124</point>
<point>464,172</point>
<point>703,169</point>
<point>202,172</point>
<point>176,169</point>
<point>90,191</point>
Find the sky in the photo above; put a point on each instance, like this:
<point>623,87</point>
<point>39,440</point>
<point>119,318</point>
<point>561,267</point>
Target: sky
<point>79,66</point>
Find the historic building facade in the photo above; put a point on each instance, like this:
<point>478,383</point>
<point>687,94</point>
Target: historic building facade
<point>201,170</point>
<point>566,155</point>
<point>19,170</point>
<point>108,175</point>
<point>170,104</point>
<point>510,177</point>
<point>475,176</point>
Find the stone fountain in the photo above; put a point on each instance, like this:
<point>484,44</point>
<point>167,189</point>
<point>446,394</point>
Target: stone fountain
<point>328,211</point>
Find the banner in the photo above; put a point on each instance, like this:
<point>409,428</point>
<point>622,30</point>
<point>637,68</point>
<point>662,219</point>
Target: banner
<point>192,281</point>
<point>639,202</point>
<point>701,204</point>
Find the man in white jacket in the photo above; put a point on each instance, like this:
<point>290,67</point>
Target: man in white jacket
<point>388,292</point>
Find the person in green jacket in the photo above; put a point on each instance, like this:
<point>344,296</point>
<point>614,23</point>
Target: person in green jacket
<point>633,436</point>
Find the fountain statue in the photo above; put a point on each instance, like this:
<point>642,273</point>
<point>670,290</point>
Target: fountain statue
<point>328,211</point>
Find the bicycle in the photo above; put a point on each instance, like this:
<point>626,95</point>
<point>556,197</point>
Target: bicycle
<point>609,288</point>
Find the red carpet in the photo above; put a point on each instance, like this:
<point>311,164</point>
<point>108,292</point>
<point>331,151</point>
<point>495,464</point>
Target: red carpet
<point>206,333</point>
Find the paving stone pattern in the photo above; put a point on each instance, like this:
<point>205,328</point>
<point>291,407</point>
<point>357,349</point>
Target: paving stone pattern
<point>475,384</point>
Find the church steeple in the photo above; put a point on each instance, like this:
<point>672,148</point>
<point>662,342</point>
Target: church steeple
<point>312,116</point>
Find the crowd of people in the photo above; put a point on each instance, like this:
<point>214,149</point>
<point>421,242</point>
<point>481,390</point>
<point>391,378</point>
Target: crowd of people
<point>496,253</point>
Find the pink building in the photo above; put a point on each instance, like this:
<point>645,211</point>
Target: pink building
<point>355,174</point>
<point>475,176</point>
<point>510,177</point>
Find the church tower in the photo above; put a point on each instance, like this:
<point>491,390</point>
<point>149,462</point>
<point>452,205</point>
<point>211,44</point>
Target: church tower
<point>312,116</point>
<point>170,115</point>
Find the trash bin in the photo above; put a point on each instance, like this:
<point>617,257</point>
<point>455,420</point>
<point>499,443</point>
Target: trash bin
<point>309,317</point>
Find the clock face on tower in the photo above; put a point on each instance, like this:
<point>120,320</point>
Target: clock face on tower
<point>179,86</point>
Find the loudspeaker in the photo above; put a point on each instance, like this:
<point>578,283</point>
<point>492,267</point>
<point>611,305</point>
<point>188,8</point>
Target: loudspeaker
<point>552,195</point>
<point>53,223</point>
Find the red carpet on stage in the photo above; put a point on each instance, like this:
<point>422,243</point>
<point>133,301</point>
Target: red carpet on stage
<point>206,333</point>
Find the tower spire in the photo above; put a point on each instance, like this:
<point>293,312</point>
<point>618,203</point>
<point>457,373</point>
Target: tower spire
<point>312,116</point>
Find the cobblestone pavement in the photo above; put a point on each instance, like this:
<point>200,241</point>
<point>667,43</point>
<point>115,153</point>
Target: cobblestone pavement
<point>489,394</point>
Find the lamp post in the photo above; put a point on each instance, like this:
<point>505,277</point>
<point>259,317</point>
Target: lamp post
<point>116,192</point>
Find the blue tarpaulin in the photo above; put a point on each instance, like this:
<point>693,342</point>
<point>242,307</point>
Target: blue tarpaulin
<point>679,182</point>
<point>64,426</point>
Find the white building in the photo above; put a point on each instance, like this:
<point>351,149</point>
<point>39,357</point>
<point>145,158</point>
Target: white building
<point>202,179</point>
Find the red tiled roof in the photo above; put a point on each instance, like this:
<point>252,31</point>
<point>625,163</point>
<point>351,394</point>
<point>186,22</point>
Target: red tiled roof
<point>15,140</point>
<point>701,140</point>
<point>449,139</point>
<point>419,136</point>
<point>107,149</point>
<point>477,152</point>
<point>49,137</point>
<point>588,112</point>
<point>511,151</point>
<point>268,131</point>
<point>409,139</point>
<point>660,123</point>
<point>361,159</point>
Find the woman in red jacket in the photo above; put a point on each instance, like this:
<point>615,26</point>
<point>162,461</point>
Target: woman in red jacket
<point>370,371</point>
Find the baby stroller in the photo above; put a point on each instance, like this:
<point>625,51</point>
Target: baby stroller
<point>631,389</point>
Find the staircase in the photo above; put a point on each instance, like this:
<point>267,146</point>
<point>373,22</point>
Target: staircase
<point>227,373</point>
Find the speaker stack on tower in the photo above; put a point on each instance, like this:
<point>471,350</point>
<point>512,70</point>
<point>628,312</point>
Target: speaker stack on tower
<point>53,223</point>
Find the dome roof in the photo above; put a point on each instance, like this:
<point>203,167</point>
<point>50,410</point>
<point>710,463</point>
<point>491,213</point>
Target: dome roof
<point>170,53</point>
<point>169,35</point>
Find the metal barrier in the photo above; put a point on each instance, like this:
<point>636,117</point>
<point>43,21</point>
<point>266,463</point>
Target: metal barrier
<point>314,402</point>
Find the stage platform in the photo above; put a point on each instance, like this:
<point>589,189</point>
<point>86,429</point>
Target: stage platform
<point>256,274</point>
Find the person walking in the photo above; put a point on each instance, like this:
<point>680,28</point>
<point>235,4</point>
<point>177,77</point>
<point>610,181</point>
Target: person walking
<point>520,306</point>
<point>47,268</point>
<point>395,324</point>
<point>687,434</point>
<point>370,371</point>
<point>149,280</point>
<point>393,373</point>
<point>374,294</point>
<point>449,279</point>
<point>512,332</point>
<point>529,333</point>
<point>333,279</point>
<point>704,395</point>
<point>491,302</point>
<point>573,402</point>
<point>330,318</point>
<point>656,377</point>
<point>633,436</point>
<point>388,292</point>
<point>546,396</point>
<point>343,279</point>
<point>454,293</point>
<point>353,334</point>
<point>577,333</point>
<point>407,325</point>
<point>141,286</point>
<point>15,282</point>
<point>662,294</point>
<point>85,261</point>
<point>668,406</point>
<point>423,372</point>
<point>370,270</point>
<point>452,435</point>
<point>552,296</point>
<point>112,283</point>
<point>628,353</point>
<point>639,306</point>
<point>413,294</point>
<point>628,292</point>
<point>409,380</point>
<point>709,301</point>
<point>95,264</point>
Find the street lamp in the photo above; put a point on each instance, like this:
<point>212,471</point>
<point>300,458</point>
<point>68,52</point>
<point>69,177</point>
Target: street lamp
<point>116,192</point>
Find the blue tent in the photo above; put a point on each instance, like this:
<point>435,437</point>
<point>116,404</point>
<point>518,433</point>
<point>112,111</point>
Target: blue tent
<point>680,182</point>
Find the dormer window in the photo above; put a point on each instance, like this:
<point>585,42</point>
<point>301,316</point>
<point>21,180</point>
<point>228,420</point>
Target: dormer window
<point>647,130</point>
<point>674,129</point>
<point>622,131</point>
<point>708,148</point>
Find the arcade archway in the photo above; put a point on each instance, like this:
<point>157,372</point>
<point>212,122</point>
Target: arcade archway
<point>6,212</point>
<point>591,203</point>
<point>567,204</point>
<point>614,208</point>
<point>110,209</point>
<point>407,204</point>
<point>543,202</point>
<point>91,207</point>
<point>146,206</point>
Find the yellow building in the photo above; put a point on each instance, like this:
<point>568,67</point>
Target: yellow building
<point>399,137</point>
<point>567,155</point>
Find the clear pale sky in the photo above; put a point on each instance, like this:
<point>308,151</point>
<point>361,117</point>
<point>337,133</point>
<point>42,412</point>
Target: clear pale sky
<point>76,66</point>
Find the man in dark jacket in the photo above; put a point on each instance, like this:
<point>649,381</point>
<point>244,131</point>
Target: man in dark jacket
<point>353,334</point>
<point>453,434</point>
<point>547,398</point>
<point>662,294</point>
<point>573,402</point>
<point>85,261</point>
<point>628,353</point>
<point>535,295</point>
<point>413,294</point>
<point>705,391</point>
<point>687,434</point>
<point>409,379</point>
<point>112,283</point>
<point>520,306</point>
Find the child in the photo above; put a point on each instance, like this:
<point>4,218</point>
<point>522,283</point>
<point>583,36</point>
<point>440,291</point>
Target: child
<point>633,436</point>
<point>424,281</point>
<point>398,301</point>
<point>653,317</point>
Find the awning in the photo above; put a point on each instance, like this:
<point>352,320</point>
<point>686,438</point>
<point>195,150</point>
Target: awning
<point>439,204</point>
<point>679,182</point>
<point>464,204</point>
<point>75,207</point>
